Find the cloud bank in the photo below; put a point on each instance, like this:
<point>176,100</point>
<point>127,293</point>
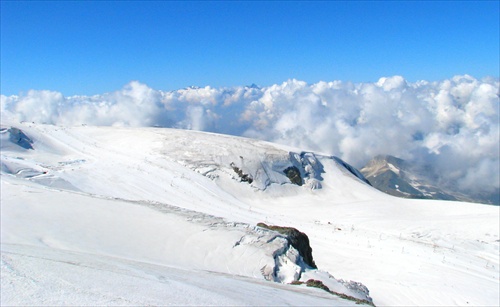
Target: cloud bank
<point>453,125</point>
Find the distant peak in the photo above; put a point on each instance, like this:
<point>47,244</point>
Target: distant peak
<point>254,86</point>
<point>385,159</point>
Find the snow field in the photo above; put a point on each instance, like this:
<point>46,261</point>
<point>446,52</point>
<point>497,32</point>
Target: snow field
<point>169,198</point>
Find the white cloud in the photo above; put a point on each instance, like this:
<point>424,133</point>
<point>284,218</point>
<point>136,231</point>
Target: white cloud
<point>452,124</point>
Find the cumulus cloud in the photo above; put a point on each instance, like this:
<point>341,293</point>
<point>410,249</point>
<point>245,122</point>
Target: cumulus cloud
<point>453,125</point>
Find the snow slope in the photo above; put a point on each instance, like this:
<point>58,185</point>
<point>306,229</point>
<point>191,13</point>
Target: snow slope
<point>167,208</point>
<point>112,252</point>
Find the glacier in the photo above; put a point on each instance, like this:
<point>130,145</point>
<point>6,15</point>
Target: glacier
<point>89,212</point>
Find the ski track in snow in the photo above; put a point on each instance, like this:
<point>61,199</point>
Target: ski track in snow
<point>111,181</point>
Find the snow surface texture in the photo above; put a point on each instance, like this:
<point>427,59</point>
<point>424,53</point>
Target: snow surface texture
<point>91,213</point>
<point>452,125</point>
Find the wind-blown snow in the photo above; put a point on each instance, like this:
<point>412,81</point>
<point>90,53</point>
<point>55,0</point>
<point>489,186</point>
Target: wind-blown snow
<point>163,209</point>
<point>453,125</point>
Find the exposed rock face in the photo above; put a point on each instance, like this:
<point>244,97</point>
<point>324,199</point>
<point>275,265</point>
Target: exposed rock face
<point>297,239</point>
<point>302,169</point>
<point>403,178</point>
<point>308,168</point>
<point>243,177</point>
<point>319,284</point>
<point>398,177</point>
<point>293,174</point>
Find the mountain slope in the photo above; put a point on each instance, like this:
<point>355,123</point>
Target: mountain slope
<point>183,199</point>
<point>400,178</point>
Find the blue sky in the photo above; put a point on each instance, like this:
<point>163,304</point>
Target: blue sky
<point>88,48</point>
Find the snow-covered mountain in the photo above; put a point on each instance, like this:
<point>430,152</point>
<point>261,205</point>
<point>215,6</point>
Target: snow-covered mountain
<point>401,178</point>
<point>153,216</point>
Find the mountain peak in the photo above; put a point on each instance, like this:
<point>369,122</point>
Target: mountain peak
<point>253,85</point>
<point>402,178</point>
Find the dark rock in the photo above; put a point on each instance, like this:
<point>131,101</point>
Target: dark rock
<point>243,177</point>
<point>297,239</point>
<point>317,284</point>
<point>293,173</point>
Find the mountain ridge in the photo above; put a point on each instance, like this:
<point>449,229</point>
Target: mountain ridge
<point>403,178</point>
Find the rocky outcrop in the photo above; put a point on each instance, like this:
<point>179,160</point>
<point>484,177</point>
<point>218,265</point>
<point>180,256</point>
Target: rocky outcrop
<point>293,174</point>
<point>297,239</point>
<point>400,178</point>
<point>408,179</point>
<point>307,168</point>
<point>294,264</point>
<point>319,284</point>
<point>243,177</point>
